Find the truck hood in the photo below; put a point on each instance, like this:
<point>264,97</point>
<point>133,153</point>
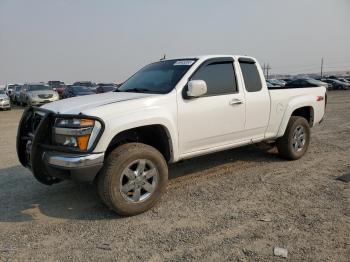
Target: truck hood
<point>76,105</point>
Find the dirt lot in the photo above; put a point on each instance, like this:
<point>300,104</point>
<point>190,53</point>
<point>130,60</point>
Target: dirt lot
<point>213,208</point>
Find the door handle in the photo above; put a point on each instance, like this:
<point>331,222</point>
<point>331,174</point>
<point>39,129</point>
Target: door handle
<point>236,101</point>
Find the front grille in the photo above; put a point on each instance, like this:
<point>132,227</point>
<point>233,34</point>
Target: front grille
<point>45,96</point>
<point>34,126</point>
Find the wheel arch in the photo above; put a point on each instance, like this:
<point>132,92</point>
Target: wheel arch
<point>155,135</point>
<point>298,107</point>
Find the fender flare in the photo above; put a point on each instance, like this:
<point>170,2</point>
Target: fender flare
<point>294,104</point>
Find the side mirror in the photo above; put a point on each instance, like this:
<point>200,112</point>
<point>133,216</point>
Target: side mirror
<point>196,88</point>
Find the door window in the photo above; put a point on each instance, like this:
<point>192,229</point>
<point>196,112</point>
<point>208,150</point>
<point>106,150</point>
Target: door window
<point>219,77</point>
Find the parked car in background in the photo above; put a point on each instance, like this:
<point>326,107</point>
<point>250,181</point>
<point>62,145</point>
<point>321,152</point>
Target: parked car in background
<point>16,94</point>
<point>344,80</point>
<point>276,82</point>
<point>305,82</point>
<point>337,84</point>
<point>37,94</point>
<point>72,91</point>
<point>287,80</point>
<point>57,86</point>
<point>13,92</point>
<point>9,89</point>
<point>271,86</point>
<point>332,77</point>
<point>105,87</point>
<point>4,100</point>
<point>88,84</point>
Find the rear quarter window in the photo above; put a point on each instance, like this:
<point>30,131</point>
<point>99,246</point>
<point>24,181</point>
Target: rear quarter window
<point>251,76</point>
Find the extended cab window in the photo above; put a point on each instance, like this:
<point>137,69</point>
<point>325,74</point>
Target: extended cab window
<point>252,80</point>
<point>219,77</point>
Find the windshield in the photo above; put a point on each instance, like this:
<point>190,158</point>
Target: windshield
<point>108,88</point>
<point>81,89</point>
<point>55,84</point>
<point>87,84</point>
<point>159,78</point>
<point>38,88</point>
<point>315,82</point>
<point>103,84</point>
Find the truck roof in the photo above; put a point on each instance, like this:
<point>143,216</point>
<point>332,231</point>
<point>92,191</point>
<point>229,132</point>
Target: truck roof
<point>204,57</point>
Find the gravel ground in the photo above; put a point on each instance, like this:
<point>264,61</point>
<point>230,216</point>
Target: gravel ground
<point>234,205</point>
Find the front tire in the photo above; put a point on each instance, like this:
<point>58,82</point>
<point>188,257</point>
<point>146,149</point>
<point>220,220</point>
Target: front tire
<point>133,178</point>
<point>296,139</point>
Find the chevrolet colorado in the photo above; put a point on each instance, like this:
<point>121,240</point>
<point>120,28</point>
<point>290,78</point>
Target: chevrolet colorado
<point>168,111</point>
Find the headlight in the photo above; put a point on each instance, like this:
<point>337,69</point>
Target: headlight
<point>76,133</point>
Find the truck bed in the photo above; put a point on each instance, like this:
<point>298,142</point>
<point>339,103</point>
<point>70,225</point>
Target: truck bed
<point>283,98</point>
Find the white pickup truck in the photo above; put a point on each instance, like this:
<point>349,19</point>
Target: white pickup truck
<point>168,111</point>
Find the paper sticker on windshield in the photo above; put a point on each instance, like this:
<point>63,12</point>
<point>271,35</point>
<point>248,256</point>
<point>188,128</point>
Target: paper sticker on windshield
<point>184,63</point>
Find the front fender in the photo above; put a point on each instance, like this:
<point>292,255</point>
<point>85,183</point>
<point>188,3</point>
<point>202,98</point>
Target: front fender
<point>142,117</point>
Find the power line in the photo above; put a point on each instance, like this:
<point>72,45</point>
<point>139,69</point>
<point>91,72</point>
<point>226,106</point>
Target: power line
<point>312,65</point>
<point>312,69</point>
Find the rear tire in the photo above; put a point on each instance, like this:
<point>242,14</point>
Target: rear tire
<point>296,139</point>
<point>133,178</point>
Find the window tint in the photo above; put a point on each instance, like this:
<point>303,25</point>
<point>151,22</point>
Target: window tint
<point>252,80</point>
<point>220,78</point>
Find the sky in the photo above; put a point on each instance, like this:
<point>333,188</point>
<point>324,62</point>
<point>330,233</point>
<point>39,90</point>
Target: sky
<point>108,40</point>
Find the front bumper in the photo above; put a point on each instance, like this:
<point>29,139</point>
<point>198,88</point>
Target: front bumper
<point>42,101</point>
<point>5,104</point>
<point>71,166</point>
<point>49,163</point>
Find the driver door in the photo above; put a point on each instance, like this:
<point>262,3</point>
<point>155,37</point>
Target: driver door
<point>216,118</point>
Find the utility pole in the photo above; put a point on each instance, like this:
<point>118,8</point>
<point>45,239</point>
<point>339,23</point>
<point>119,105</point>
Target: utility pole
<point>263,68</point>
<point>321,67</point>
<point>267,71</point>
<point>266,67</point>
